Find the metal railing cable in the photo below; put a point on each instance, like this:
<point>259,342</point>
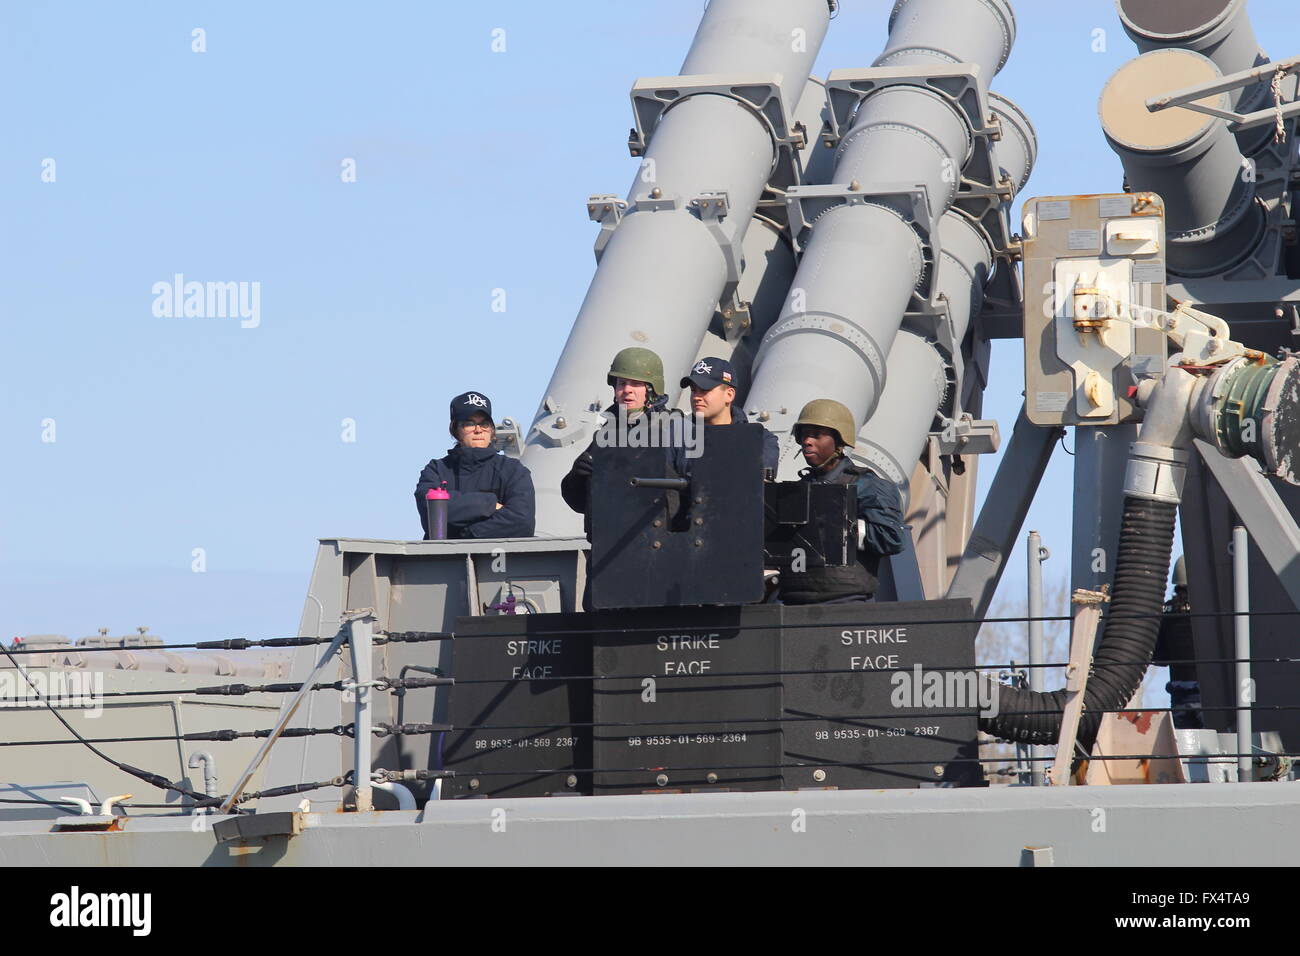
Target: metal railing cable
<point>787,765</point>
<point>386,637</point>
<point>401,684</point>
<point>147,776</point>
<point>230,644</point>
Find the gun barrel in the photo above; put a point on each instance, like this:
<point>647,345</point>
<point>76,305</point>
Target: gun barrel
<point>668,484</point>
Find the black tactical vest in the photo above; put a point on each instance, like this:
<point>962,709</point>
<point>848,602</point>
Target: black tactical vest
<point>856,580</point>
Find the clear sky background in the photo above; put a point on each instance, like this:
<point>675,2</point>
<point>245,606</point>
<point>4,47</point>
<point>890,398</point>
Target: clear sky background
<point>472,169</point>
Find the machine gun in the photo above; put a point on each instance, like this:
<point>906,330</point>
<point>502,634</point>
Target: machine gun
<point>663,539</point>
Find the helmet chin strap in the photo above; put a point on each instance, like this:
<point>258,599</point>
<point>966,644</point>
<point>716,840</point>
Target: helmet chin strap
<point>812,469</point>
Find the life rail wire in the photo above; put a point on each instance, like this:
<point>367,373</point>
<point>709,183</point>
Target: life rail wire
<point>832,671</point>
<point>395,684</point>
<point>201,736</point>
<point>555,771</point>
<point>902,714</point>
<point>382,730</point>
<point>412,637</point>
<point>400,685</point>
<point>227,644</point>
<point>181,809</point>
<point>293,789</point>
<point>56,802</point>
<point>427,636</point>
<point>785,765</point>
<point>147,776</point>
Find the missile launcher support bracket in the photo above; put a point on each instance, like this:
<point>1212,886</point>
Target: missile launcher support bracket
<point>806,204</point>
<point>608,211</point>
<point>653,96</point>
<point>983,191</point>
<point>712,209</point>
<point>557,429</point>
<point>927,314</point>
<point>966,435</point>
<point>760,94</point>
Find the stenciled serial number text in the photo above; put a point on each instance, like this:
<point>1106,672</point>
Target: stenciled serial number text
<point>682,740</point>
<point>537,743</point>
<point>868,733</point>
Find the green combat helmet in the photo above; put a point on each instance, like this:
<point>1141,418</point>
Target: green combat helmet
<point>829,413</point>
<point>638,365</point>
<point>1180,573</point>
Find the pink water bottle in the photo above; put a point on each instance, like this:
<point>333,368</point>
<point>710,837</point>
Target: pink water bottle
<point>435,503</point>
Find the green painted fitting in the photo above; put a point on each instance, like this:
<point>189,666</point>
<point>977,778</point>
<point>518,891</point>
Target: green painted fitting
<point>1239,412</point>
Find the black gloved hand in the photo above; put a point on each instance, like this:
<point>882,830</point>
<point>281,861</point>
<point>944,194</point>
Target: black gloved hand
<point>582,467</point>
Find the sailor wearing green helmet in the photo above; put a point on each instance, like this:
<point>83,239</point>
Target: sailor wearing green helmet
<point>824,428</point>
<point>637,377</point>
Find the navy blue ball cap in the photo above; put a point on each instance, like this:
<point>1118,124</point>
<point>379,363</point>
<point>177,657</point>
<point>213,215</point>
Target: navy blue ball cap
<point>466,406</point>
<point>710,372</point>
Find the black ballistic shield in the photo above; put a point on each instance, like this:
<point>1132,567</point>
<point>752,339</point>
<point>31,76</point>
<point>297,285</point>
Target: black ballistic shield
<point>664,547</point>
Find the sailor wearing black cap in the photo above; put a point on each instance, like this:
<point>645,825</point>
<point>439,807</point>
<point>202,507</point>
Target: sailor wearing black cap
<point>713,395</point>
<point>491,495</point>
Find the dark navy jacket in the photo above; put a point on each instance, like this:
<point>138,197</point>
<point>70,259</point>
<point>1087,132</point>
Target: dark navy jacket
<point>575,487</point>
<point>879,507</point>
<point>478,478</point>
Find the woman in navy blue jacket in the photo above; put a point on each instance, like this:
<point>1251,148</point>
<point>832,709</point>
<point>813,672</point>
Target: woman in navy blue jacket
<point>491,495</point>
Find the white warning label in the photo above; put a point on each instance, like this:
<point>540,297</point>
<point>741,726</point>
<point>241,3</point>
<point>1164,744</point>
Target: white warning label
<point>1149,271</point>
<point>1055,209</point>
<point>1084,240</point>
<point>1051,401</point>
<point>1108,207</point>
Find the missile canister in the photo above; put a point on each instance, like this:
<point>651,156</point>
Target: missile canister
<point>1189,158</point>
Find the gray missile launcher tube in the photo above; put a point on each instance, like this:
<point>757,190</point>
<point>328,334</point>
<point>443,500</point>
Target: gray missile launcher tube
<point>769,261</point>
<point>1220,30</point>
<point>663,269</point>
<point>863,261</point>
<point>893,443</point>
<point>1189,159</point>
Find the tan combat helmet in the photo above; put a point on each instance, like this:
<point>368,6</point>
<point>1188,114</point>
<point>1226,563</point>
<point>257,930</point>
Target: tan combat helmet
<point>829,413</point>
<point>638,365</point>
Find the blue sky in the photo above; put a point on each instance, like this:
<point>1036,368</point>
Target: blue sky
<point>472,168</point>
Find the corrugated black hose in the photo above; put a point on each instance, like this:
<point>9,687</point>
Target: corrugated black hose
<point>1128,640</point>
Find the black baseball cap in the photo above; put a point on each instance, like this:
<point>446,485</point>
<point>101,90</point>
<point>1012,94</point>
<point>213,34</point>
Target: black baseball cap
<point>467,405</point>
<point>710,372</point>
